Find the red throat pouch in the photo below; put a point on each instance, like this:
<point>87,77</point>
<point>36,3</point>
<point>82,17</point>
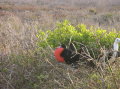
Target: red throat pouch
<point>57,54</point>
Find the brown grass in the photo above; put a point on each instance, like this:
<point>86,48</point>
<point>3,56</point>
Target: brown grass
<point>23,66</point>
<point>48,15</point>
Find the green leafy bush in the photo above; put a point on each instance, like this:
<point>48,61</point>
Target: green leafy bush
<point>65,32</point>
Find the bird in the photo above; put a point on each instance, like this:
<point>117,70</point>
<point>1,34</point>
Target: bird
<point>116,53</point>
<point>107,55</point>
<point>71,56</point>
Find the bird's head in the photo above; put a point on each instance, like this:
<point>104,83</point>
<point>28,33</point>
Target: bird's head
<point>117,40</point>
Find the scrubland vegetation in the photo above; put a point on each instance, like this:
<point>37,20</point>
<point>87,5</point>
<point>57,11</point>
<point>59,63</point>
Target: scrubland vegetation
<point>29,35</point>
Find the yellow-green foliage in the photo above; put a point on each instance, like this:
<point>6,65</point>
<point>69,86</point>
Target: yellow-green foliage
<point>92,37</point>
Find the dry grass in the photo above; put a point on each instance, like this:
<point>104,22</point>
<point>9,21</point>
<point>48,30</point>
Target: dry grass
<point>22,66</point>
<point>16,36</point>
<point>42,71</point>
<point>47,15</point>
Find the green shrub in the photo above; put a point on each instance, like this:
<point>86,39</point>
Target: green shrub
<point>65,32</point>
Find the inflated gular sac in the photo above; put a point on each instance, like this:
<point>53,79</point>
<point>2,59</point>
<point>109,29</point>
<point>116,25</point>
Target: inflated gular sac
<point>57,54</point>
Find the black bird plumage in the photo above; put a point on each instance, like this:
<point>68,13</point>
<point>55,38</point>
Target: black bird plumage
<point>72,56</point>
